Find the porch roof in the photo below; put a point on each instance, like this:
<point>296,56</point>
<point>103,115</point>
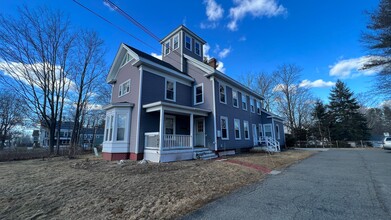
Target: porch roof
<point>171,107</point>
<point>118,105</point>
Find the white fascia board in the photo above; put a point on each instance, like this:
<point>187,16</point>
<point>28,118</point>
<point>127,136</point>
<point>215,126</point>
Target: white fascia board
<point>118,105</point>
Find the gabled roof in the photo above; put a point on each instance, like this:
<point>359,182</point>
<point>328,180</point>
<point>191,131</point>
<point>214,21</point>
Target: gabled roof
<point>139,59</point>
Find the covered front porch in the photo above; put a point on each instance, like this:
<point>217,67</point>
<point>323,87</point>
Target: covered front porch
<point>181,132</point>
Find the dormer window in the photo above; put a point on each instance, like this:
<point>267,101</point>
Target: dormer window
<point>188,42</point>
<point>197,48</point>
<point>175,42</point>
<point>167,48</point>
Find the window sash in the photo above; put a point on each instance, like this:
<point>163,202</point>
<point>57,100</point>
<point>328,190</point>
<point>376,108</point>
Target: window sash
<point>237,129</point>
<point>199,94</point>
<point>188,42</point>
<point>170,90</point>
<point>222,92</point>
<point>244,102</point>
<point>197,48</point>
<point>235,101</point>
<point>246,130</point>
<point>176,41</point>
<point>167,48</point>
<point>224,128</point>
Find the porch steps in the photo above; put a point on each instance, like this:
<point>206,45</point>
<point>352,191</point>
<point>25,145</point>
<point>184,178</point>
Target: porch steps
<point>204,154</point>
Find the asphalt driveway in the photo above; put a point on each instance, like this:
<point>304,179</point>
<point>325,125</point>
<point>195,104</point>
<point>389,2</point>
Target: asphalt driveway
<point>336,184</point>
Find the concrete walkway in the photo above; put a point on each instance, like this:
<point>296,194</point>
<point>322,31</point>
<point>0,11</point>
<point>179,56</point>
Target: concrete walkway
<point>336,184</point>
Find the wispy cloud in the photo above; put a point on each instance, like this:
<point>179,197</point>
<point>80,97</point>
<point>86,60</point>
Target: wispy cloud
<point>157,56</point>
<point>256,8</point>
<point>242,39</point>
<point>224,53</point>
<point>214,12</point>
<point>320,83</point>
<point>350,68</point>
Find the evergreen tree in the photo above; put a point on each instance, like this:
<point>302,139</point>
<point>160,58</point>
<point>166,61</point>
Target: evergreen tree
<point>346,122</point>
<point>320,118</point>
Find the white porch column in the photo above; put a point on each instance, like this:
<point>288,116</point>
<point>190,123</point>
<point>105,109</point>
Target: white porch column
<point>273,130</point>
<point>161,130</point>
<point>192,130</point>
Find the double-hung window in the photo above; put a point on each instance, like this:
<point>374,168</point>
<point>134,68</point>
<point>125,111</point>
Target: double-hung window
<point>223,95</point>
<point>244,102</point>
<point>237,129</point>
<point>252,106</point>
<point>235,101</point>
<point>224,128</point>
<point>175,42</point>
<point>199,94</point>
<point>167,47</point>
<point>246,130</point>
<point>258,107</point>
<point>188,42</point>
<point>124,88</point>
<point>278,132</point>
<point>170,90</point>
<point>197,48</point>
<point>121,125</point>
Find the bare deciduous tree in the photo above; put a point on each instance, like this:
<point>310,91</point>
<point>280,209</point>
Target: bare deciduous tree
<point>34,48</point>
<point>11,114</point>
<point>87,74</point>
<point>293,102</point>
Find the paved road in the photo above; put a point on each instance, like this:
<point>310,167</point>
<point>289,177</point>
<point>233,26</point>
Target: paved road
<point>336,184</point>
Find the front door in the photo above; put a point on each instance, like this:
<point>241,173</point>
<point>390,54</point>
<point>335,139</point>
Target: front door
<point>255,134</point>
<point>199,132</point>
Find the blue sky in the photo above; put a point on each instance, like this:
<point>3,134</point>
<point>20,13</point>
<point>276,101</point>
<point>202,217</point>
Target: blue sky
<point>322,37</point>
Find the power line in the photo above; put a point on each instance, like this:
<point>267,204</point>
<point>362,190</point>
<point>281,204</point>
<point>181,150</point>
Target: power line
<point>111,23</point>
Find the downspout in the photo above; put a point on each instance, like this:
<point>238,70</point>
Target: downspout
<point>214,112</point>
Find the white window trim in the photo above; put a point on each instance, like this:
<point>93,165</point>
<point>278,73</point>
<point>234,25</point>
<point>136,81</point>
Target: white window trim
<point>125,128</point>
<point>245,98</point>
<point>173,42</point>
<point>237,98</point>
<point>252,107</point>
<point>244,130</point>
<point>225,93</point>
<point>227,127</point>
<point>165,90</point>
<point>278,133</point>
<point>240,135</point>
<point>165,47</point>
<point>195,94</point>
<point>195,46</point>
<point>191,42</point>
<point>120,87</point>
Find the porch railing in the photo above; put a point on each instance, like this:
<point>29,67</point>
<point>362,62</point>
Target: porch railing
<point>272,145</point>
<point>170,141</point>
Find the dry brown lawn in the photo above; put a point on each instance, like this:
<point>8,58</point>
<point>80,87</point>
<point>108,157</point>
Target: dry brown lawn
<point>90,188</point>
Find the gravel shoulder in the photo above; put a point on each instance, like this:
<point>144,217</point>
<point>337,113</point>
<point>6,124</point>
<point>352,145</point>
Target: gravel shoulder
<point>91,188</point>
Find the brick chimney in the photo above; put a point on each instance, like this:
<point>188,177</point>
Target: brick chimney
<point>213,63</point>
